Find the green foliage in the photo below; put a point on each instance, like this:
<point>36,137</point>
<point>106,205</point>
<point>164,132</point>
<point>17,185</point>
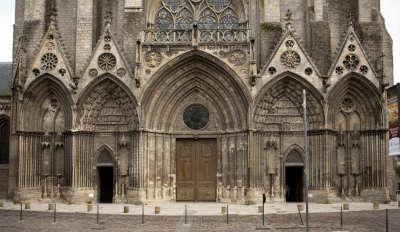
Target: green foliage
<point>262,4</point>
<point>398,171</point>
<point>271,27</point>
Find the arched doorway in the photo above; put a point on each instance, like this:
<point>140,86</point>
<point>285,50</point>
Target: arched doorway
<point>294,177</point>
<point>4,139</point>
<point>45,155</point>
<point>203,105</point>
<point>105,177</point>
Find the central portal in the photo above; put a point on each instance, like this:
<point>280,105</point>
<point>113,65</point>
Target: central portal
<point>196,169</point>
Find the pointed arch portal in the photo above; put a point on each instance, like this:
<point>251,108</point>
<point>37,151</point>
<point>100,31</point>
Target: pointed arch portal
<point>294,176</point>
<point>195,103</point>
<point>105,176</point>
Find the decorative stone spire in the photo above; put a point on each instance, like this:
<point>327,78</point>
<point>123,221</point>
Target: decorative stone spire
<point>52,20</point>
<point>349,19</point>
<point>288,21</point>
<point>108,18</point>
<point>52,16</point>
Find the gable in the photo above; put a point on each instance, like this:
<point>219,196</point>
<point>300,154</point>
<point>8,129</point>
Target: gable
<point>351,59</point>
<point>51,60</point>
<point>106,59</point>
<point>289,56</point>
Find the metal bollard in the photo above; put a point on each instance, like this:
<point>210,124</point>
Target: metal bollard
<point>263,217</point>
<point>55,214</point>
<point>142,213</point>
<point>376,205</point>
<point>346,206</point>
<point>301,218</point>
<point>20,213</point>
<point>227,214</point>
<point>97,216</point>
<point>51,206</point>
<point>89,207</point>
<point>185,214</point>
<point>126,209</point>
<point>157,210</point>
<point>223,210</point>
<point>341,217</point>
<point>387,220</point>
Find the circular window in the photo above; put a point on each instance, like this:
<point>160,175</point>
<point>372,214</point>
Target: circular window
<point>48,61</point>
<point>196,116</point>
<point>107,61</point>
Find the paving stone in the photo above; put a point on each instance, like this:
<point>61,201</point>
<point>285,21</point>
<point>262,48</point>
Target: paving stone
<point>363,221</point>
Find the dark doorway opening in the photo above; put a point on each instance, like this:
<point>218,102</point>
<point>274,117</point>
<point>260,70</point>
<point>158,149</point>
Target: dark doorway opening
<point>294,184</point>
<point>106,184</point>
<point>4,140</point>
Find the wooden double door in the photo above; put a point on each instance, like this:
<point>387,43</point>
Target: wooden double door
<point>196,169</point>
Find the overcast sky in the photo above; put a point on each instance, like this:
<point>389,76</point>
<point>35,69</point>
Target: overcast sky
<point>390,10</point>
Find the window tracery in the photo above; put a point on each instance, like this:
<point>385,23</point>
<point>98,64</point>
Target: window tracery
<point>210,15</point>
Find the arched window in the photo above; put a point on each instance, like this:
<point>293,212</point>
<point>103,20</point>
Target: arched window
<point>4,139</point>
<point>209,14</point>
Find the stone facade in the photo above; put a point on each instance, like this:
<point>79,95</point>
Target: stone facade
<point>118,83</point>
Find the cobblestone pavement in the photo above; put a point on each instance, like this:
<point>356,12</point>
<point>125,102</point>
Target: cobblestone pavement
<point>365,221</point>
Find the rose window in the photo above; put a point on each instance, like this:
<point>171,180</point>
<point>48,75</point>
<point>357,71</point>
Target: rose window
<point>48,61</point>
<point>107,61</point>
<point>196,116</point>
<point>347,105</point>
<point>290,59</point>
<point>351,62</point>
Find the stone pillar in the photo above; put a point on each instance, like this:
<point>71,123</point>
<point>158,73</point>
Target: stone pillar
<point>272,12</point>
<point>364,10</point>
<point>319,6</point>
<point>84,34</point>
<point>134,4</point>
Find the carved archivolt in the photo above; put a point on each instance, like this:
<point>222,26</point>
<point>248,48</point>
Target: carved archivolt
<point>280,108</point>
<point>195,80</point>
<point>353,97</point>
<point>46,107</point>
<point>107,107</point>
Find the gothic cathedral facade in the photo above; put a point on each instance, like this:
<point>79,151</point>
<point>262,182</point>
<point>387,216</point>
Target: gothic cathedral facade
<point>198,100</point>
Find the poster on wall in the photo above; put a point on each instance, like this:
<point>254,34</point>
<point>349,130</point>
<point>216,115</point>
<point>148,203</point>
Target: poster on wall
<point>394,127</point>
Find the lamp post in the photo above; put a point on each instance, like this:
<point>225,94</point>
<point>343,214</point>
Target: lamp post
<point>305,155</point>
